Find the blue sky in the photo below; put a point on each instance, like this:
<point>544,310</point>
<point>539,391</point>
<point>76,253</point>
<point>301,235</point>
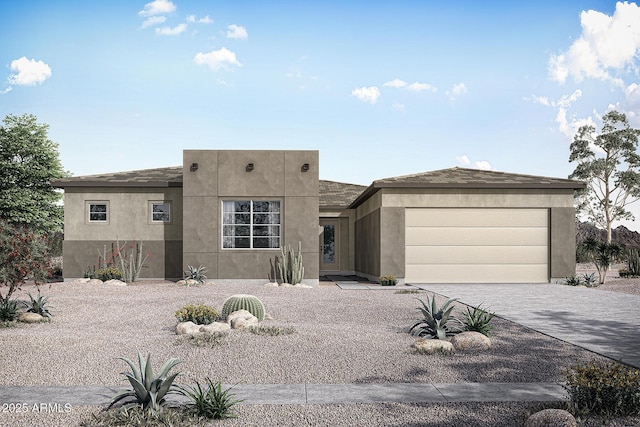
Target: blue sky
<point>380,88</point>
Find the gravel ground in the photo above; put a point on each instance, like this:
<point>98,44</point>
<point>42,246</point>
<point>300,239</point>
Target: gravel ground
<point>342,337</point>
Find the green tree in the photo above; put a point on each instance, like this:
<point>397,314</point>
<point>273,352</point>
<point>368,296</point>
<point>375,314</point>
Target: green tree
<point>24,255</point>
<point>28,162</point>
<point>610,165</point>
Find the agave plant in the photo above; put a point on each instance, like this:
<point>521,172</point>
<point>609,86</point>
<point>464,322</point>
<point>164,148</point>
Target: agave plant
<point>437,322</point>
<point>195,273</point>
<point>478,320</point>
<point>147,390</point>
<point>39,305</point>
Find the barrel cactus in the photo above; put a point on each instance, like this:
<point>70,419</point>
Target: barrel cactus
<point>250,303</point>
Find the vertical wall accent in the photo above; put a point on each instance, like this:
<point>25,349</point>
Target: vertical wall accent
<point>367,238</point>
<point>563,242</point>
<point>392,241</point>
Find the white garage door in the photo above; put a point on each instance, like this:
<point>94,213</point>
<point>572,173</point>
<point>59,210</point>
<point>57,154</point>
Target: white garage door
<point>476,245</point>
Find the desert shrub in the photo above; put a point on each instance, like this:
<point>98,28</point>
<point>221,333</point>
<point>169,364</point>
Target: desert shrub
<point>39,305</point>
<point>210,401</point>
<point>202,339</point>
<point>290,265</point>
<point>437,322</point>
<point>633,263</point>
<point>195,273</point>
<point>9,310</point>
<point>605,388</point>
<point>407,291</point>
<point>237,302</point>
<point>147,390</point>
<point>199,314</point>
<point>573,280</point>
<point>478,320</point>
<point>271,330</point>
<point>388,280</point>
<point>138,417</point>
<point>108,273</point>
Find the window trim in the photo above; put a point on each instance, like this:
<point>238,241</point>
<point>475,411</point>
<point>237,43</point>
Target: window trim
<point>251,225</point>
<point>89,203</point>
<point>160,202</point>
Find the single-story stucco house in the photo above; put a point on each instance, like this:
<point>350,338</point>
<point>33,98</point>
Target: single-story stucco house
<point>231,211</point>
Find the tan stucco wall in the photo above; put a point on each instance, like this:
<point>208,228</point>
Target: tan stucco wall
<point>129,216</point>
<point>222,175</point>
<point>380,223</point>
<point>164,257</point>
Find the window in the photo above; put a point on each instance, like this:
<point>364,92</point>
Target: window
<point>250,224</point>
<point>160,212</point>
<point>98,211</point>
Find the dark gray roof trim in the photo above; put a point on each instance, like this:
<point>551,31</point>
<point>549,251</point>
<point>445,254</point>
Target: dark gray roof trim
<point>468,178</point>
<point>158,177</point>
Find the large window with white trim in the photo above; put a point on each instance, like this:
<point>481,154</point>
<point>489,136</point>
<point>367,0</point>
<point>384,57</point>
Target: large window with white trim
<point>251,224</point>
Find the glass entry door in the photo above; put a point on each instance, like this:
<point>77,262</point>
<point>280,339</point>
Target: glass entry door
<point>329,245</point>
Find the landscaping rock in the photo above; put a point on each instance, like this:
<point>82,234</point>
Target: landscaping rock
<point>187,328</point>
<point>286,285</point>
<point>94,282</point>
<point>432,346</point>
<point>303,286</point>
<point>551,418</point>
<point>469,340</point>
<point>84,280</point>
<point>241,319</point>
<point>188,282</point>
<point>30,318</point>
<point>115,282</point>
<point>215,327</point>
<point>271,285</point>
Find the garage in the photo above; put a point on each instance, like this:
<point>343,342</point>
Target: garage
<point>476,245</point>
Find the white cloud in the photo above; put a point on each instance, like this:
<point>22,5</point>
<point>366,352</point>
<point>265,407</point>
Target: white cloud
<point>205,20</point>
<point>171,31</point>
<point>417,87</point>
<point>567,124</point>
<point>5,91</point>
<point>367,94</point>
<point>236,32</point>
<point>157,7</point>
<point>28,72</point>
<point>217,59</point>
<point>396,83</point>
<point>153,20</point>
<point>607,44</point>
<point>459,89</point>
<point>466,162</point>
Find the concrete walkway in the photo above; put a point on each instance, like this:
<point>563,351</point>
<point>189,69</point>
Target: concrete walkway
<point>300,394</point>
<point>604,322</point>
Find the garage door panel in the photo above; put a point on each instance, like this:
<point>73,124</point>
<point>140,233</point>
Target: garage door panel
<point>476,255</point>
<point>476,217</point>
<point>450,273</point>
<point>475,236</point>
<point>457,245</point>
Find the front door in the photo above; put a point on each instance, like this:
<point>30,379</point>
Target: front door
<point>329,244</point>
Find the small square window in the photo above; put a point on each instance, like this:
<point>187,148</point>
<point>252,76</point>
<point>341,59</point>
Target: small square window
<point>160,212</point>
<point>98,211</point>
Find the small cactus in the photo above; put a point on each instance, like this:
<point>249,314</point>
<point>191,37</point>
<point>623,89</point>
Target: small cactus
<point>290,265</point>
<point>243,302</point>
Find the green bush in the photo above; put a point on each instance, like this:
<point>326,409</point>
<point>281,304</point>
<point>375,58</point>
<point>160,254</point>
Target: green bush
<point>108,273</point>
<point>210,401</point>
<point>195,273</point>
<point>478,320</point>
<point>271,330</point>
<point>202,339</point>
<point>199,314</point>
<point>9,310</point>
<point>604,388</point>
<point>573,280</point>
<point>388,280</point>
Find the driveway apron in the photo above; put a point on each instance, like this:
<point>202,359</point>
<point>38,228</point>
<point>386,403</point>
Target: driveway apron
<point>604,322</point>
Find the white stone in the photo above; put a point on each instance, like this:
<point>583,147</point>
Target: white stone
<point>245,314</point>
<point>239,323</point>
<point>551,417</point>
<point>432,346</point>
<point>286,285</point>
<point>215,327</point>
<point>471,340</point>
<point>187,328</point>
<point>30,318</point>
<point>271,285</point>
<point>81,281</point>
<point>94,282</point>
<point>303,286</point>
<point>115,282</point>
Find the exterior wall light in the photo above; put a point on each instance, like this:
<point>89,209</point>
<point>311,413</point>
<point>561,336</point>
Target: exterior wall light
<point>305,167</point>
<point>249,167</point>
<point>194,167</point>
